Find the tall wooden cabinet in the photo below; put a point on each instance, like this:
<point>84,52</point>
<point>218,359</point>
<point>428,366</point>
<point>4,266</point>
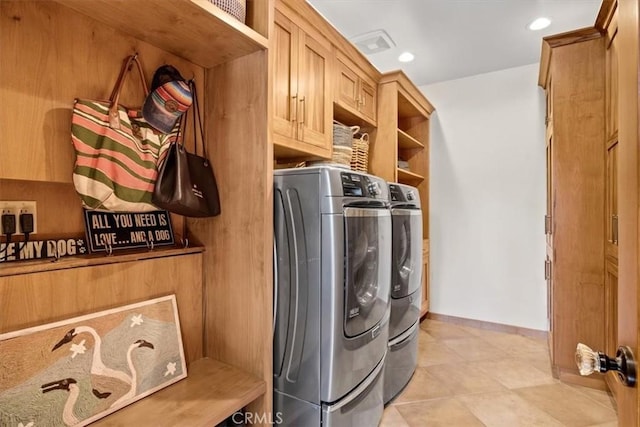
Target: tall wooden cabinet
<point>403,135</point>
<point>54,51</point>
<point>302,122</point>
<point>572,73</point>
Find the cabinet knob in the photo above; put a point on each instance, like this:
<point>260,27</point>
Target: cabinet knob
<point>590,361</point>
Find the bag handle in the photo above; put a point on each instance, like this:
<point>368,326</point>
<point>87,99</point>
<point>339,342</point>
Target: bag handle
<point>197,117</point>
<point>114,118</point>
<point>182,128</point>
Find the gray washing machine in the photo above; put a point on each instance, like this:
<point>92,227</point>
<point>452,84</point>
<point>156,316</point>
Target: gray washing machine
<point>406,289</point>
<point>332,243</point>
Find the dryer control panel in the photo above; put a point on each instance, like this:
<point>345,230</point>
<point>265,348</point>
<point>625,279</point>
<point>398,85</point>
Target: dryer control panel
<point>356,185</point>
<point>397,195</point>
<point>404,195</point>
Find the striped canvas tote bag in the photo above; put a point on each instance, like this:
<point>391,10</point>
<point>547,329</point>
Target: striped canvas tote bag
<point>117,151</point>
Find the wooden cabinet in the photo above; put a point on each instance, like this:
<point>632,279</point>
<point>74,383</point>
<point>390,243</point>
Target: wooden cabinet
<point>302,119</point>
<point>354,90</point>
<point>572,74</point>
<point>55,51</point>
<point>611,131</point>
<point>403,134</point>
<point>611,149</point>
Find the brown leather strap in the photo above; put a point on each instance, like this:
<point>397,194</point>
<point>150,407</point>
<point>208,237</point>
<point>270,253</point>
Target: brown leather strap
<point>197,118</point>
<point>197,122</point>
<point>114,118</point>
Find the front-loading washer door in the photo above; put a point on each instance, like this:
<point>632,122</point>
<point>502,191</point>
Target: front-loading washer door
<point>406,256</point>
<point>367,270</point>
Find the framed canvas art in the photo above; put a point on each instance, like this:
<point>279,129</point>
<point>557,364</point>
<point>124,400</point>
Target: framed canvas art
<point>73,372</point>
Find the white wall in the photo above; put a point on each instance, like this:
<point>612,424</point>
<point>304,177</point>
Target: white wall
<point>487,178</point>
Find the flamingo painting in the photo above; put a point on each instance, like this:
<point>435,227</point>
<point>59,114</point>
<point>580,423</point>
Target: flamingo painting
<point>70,385</point>
<point>132,391</point>
<point>97,366</point>
<point>102,361</point>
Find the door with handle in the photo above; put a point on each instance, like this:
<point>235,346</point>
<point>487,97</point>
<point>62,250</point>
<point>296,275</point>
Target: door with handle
<point>628,203</point>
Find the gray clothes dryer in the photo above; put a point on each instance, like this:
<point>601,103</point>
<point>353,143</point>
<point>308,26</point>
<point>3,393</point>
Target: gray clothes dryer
<point>332,243</point>
<point>406,279</point>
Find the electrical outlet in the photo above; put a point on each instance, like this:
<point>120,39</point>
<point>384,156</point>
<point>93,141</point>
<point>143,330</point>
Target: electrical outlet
<point>16,207</point>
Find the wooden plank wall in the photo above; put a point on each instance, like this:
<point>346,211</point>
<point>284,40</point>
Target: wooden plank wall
<point>28,300</point>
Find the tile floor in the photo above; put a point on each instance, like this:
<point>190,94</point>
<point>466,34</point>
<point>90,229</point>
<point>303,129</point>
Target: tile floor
<point>475,377</point>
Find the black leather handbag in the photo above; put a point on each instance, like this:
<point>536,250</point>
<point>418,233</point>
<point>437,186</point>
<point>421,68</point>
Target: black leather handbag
<point>186,184</point>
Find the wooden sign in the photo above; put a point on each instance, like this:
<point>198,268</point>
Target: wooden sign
<point>108,231</point>
<point>76,371</point>
<point>38,249</point>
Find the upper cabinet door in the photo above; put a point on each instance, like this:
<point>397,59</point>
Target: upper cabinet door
<point>285,87</point>
<point>347,90</point>
<point>356,92</point>
<point>368,97</point>
<point>314,93</point>
<point>611,79</point>
<point>302,94</point>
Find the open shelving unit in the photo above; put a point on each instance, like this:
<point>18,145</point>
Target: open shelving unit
<point>403,134</point>
<point>55,51</point>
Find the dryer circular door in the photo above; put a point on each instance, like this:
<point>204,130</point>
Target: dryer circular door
<point>367,268</point>
<point>406,258</point>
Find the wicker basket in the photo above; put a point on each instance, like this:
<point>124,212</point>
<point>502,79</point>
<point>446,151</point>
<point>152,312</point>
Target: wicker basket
<point>343,135</point>
<point>235,8</point>
<point>360,155</point>
<point>342,155</point>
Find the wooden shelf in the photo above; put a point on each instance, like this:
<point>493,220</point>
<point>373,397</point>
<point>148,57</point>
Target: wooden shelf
<point>351,118</point>
<point>192,29</point>
<point>407,177</point>
<point>211,393</point>
<point>25,267</point>
<point>407,142</point>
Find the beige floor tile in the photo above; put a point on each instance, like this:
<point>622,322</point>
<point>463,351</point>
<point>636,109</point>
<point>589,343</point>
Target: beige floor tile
<point>423,386</point>
<point>513,373</point>
<point>424,336</point>
<point>538,359</point>
<point>455,386</point>
<point>566,404</point>
<point>506,409</point>
<point>603,397</point>
<point>472,349</point>
<point>435,353</point>
<point>483,333</point>
<point>444,331</point>
<point>438,413</point>
<point>392,418</point>
<point>464,379</point>
<point>517,345</point>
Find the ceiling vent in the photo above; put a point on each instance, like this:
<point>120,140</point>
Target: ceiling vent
<point>373,42</point>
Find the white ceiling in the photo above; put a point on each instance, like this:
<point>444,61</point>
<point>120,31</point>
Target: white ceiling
<point>456,38</point>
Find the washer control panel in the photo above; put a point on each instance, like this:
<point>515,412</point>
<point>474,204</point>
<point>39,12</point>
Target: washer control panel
<point>356,185</point>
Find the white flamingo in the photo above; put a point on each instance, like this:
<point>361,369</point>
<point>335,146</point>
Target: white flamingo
<point>70,385</point>
<point>97,366</point>
<point>134,375</point>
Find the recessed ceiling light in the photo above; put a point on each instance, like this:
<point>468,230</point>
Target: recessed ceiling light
<point>406,57</point>
<point>539,24</point>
